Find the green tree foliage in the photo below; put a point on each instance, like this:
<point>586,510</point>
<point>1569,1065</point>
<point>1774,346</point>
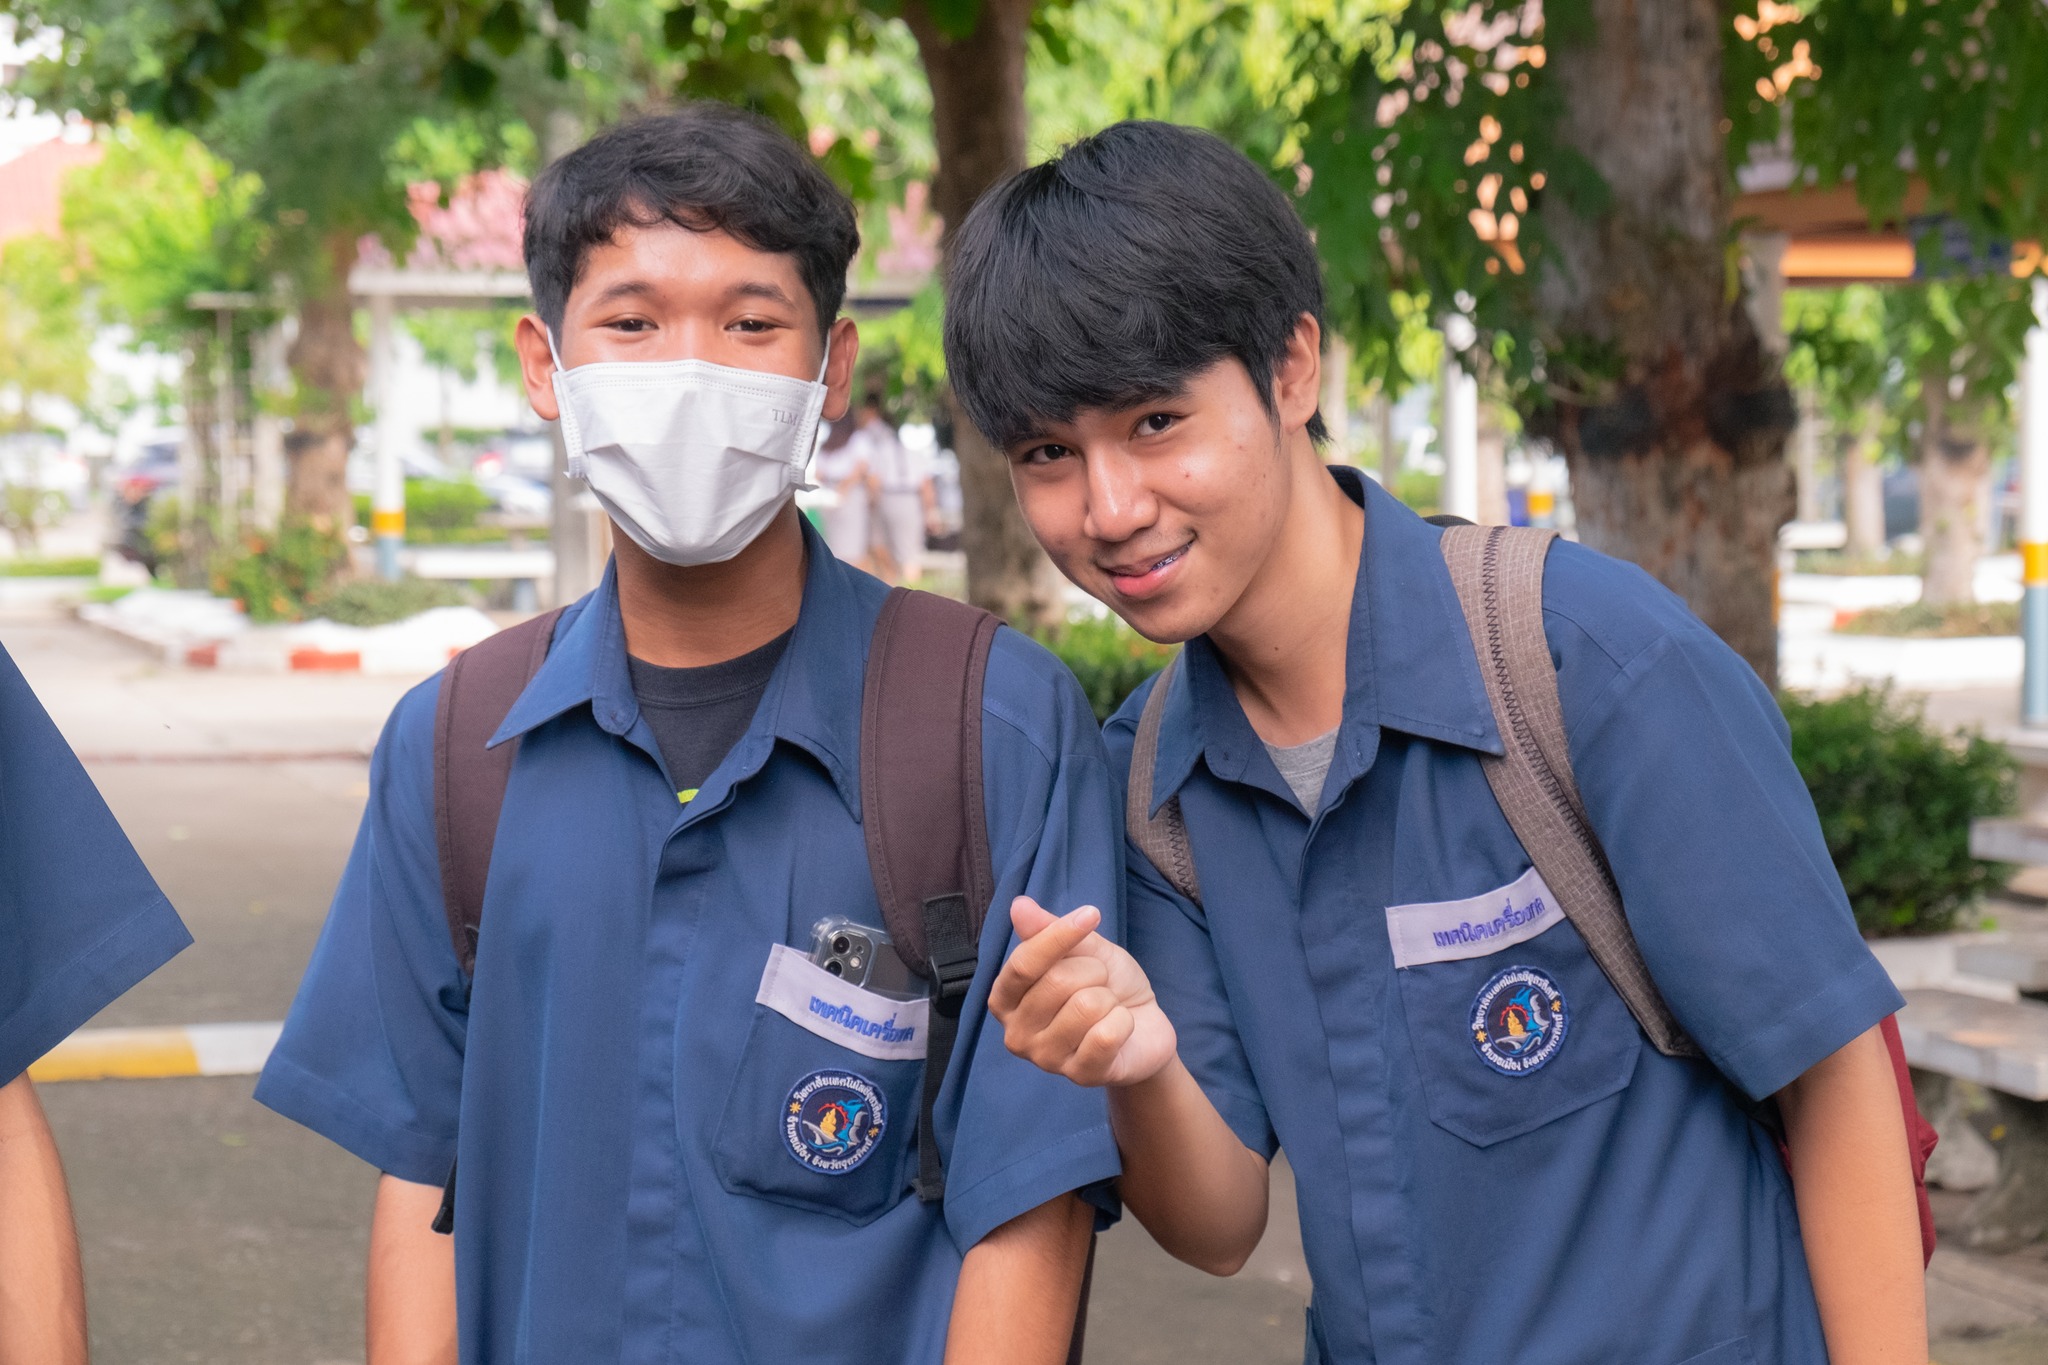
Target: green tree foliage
<point>468,342</point>
<point>1896,798</point>
<point>157,220</point>
<point>1431,149</point>
<point>45,335</point>
<point>1839,347</point>
<point>1889,96</point>
<point>1430,155</point>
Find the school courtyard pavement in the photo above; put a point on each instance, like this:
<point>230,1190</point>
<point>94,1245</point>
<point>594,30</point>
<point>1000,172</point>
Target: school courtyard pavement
<point>219,1234</point>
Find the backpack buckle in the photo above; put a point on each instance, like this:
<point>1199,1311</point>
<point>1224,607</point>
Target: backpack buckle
<point>951,953</point>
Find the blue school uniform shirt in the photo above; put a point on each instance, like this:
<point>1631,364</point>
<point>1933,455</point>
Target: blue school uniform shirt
<point>1493,1163</point>
<point>81,919</point>
<point>631,1124</point>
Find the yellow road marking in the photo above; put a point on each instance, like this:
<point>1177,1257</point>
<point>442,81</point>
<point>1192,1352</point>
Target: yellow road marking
<point>124,1053</point>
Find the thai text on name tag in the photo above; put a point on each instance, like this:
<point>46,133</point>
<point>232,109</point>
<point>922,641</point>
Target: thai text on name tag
<point>1446,931</point>
<point>835,1009</point>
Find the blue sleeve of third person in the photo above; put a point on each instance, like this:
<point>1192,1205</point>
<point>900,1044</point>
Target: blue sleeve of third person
<point>371,1055</point>
<point>81,919</point>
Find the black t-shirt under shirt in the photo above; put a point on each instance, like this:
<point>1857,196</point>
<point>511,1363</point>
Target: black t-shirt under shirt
<point>698,714</point>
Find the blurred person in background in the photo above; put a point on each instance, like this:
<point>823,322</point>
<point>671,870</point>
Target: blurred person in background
<point>904,501</point>
<point>842,467</point>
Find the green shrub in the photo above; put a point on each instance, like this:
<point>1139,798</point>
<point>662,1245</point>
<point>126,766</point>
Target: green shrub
<point>78,566</point>
<point>1920,621</point>
<point>1841,562</point>
<point>274,576</point>
<point>372,602</point>
<point>1423,492</point>
<point>1108,657</point>
<point>1896,798</point>
<point>471,535</point>
<point>443,504</point>
<point>439,512</point>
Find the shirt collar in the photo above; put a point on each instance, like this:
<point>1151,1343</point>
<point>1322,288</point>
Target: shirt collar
<point>813,698</point>
<point>1409,663</point>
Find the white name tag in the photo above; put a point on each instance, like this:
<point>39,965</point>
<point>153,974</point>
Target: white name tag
<point>1445,931</point>
<point>834,1008</point>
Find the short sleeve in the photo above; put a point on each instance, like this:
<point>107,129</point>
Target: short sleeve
<point>1685,764</point>
<point>371,1055</point>
<point>1169,935</point>
<point>1021,1136</point>
<point>81,919</point>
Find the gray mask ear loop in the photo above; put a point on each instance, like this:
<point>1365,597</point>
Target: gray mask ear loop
<point>553,354</point>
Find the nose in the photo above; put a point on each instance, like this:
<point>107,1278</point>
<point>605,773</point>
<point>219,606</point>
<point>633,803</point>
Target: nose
<point>1120,503</point>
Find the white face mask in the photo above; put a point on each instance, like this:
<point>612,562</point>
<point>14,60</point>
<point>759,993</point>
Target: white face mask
<point>691,459</point>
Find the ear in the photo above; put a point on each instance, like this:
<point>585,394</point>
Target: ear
<point>1298,376</point>
<point>536,366</point>
<point>845,338</point>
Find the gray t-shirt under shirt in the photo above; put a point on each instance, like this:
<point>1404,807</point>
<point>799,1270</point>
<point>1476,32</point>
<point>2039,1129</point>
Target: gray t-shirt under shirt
<point>1305,766</point>
<point>698,714</point>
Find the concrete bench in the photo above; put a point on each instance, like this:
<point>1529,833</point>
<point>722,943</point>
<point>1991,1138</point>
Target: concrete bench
<point>1980,1069</point>
<point>2020,959</point>
<point>526,566</point>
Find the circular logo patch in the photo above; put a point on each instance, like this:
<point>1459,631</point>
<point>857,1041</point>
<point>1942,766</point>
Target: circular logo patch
<point>833,1121</point>
<point>1518,1021</point>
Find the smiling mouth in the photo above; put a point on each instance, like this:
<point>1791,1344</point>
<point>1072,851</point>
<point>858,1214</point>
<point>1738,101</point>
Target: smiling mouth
<point>1137,578</point>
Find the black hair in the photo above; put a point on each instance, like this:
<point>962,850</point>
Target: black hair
<point>1111,273</point>
<point>706,167</point>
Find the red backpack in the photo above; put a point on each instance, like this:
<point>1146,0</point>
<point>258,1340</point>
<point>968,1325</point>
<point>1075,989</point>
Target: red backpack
<point>1498,574</point>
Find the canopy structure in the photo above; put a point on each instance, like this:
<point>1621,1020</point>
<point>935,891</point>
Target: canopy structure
<point>1823,237</point>
<point>1827,238</point>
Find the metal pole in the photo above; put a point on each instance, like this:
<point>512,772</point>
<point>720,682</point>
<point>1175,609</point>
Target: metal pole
<point>387,501</point>
<point>1460,436</point>
<point>2034,513</point>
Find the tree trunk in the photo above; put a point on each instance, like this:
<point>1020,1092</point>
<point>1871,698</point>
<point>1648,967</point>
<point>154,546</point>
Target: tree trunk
<point>1863,486</point>
<point>1678,463</point>
<point>330,367</point>
<point>978,124</point>
<point>199,485</point>
<point>1383,432</point>
<point>1493,467</point>
<point>1955,476</point>
<point>1806,460</point>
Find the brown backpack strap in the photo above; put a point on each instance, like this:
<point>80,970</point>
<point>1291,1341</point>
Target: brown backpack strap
<point>1162,838</point>
<point>922,812</point>
<point>477,692</point>
<point>1498,574</point>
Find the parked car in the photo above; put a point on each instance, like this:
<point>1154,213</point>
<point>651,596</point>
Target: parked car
<point>153,474</point>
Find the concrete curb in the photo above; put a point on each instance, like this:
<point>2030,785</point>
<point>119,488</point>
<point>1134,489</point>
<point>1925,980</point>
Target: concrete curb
<point>96,1054</point>
<point>188,629</point>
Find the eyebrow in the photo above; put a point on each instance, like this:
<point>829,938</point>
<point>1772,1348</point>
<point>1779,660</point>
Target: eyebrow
<point>745,289</point>
<point>761,289</point>
<point>624,289</point>
<point>1041,429</point>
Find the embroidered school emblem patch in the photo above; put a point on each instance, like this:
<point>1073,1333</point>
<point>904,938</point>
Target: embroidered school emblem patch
<point>833,1121</point>
<point>1518,1021</point>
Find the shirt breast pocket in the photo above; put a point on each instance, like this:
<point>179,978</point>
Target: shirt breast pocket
<point>1513,1024</point>
<point>824,1104</point>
